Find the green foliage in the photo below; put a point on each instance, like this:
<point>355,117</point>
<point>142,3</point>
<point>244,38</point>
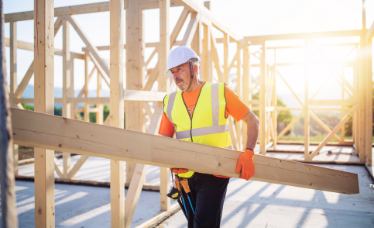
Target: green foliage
<point>106,111</point>
<point>57,111</point>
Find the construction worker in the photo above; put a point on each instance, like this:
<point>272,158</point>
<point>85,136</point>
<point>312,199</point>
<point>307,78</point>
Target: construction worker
<point>198,113</point>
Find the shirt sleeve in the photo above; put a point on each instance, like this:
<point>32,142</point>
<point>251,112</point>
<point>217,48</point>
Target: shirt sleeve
<point>166,127</point>
<point>234,106</point>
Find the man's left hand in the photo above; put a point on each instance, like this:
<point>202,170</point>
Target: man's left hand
<point>246,165</point>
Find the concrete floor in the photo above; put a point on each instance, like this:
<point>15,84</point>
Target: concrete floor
<point>248,204</point>
<point>260,204</point>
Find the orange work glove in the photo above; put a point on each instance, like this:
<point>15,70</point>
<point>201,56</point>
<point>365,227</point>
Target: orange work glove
<point>176,170</point>
<point>246,165</point>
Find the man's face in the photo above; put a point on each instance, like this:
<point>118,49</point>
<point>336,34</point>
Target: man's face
<point>182,76</point>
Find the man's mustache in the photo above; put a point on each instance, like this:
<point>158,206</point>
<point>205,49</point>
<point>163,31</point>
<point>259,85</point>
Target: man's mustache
<point>178,80</point>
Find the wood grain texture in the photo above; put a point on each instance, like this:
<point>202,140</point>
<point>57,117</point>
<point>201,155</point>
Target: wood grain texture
<point>80,137</point>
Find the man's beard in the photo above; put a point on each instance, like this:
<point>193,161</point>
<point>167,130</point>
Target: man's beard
<point>182,86</point>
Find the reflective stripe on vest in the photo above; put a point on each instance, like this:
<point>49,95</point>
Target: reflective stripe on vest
<point>208,124</point>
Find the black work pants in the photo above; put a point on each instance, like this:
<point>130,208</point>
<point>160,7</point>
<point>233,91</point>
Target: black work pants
<point>207,197</point>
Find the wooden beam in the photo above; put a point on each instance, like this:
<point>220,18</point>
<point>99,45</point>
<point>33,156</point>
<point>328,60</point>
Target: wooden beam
<point>206,58</point>
<point>80,137</point>
<point>256,39</point>
<point>289,125</point>
<point>61,11</point>
<point>117,191</point>
<point>263,100</point>
<point>320,122</point>
<point>43,94</point>
<point>215,59</point>
<point>164,81</point>
<point>66,87</point>
<point>77,166</point>
<point>92,49</point>
<point>306,101</point>
<point>191,28</point>
<point>135,70</point>
<point>193,6</point>
<point>350,102</point>
<point>25,81</point>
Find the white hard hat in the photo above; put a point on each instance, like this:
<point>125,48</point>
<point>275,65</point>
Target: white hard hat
<point>180,55</point>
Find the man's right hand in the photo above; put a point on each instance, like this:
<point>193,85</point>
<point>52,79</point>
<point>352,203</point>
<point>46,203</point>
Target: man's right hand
<point>176,170</point>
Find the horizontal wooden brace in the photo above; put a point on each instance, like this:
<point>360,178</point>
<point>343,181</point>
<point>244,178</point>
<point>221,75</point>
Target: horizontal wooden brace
<point>74,136</point>
<point>334,102</point>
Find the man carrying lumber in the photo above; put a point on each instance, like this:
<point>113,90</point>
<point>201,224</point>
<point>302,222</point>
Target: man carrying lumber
<point>198,113</point>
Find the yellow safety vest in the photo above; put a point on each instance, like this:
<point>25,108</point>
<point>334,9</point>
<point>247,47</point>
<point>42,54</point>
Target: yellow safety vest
<point>208,124</point>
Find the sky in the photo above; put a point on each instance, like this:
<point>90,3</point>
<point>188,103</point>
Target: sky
<point>245,17</point>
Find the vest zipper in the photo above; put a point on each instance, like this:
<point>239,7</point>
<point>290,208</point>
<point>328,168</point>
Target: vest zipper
<point>194,110</point>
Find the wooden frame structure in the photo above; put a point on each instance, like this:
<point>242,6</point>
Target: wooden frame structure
<point>144,108</point>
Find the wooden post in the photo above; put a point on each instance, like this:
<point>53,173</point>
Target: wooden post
<point>206,59</point>
<point>342,114</point>
<point>85,88</point>
<point>8,196</point>
<point>369,105</point>
<point>246,88</point>
<point>44,102</point>
<point>135,47</point>
<point>99,93</point>
<point>362,81</point>
<point>274,101</point>
<point>71,92</point>
<point>239,90</point>
<point>13,81</point>
<point>306,108</point>
<point>66,86</point>
<point>263,100</point>
<point>164,86</point>
<point>226,61</point>
<point>117,190</point>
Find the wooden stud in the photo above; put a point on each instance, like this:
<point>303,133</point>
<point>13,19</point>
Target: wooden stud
<point>206,58</point>
<point>134,70</point>
<point>86,114</point>
<point>91,48</point>
<point>117,191</point>
<point>274,101</point>
<point>369,105</point>
<point>263,100</point>
<point>66,86</point>
<point>43,95</point>
<point>306,104</point>
<point>333,132</point>
<point>246,88</point>
<point>239,90</point>
<point>226,70</point>
<point>100,107</point>
<point>164,86</point>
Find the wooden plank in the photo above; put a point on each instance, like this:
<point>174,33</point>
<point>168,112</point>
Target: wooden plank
<point>246,88</point>
<point>369,105</point>
<point>342,33</point>
<point>117,191</point>
<point>13,62</point>
<point>350,102</point>
<point>239,91</point>
<point>164,81</point>
<point>25,81</point>
<point>297,97</point>
<point>66,85</point>
<point>191,28</point>
<point>263,100</point>
<point>77,166</point>
<point>61,11</point>
<point>306,102</point>
<point>334,131</point>
<point>193,6</point>
<point>289,125</point>
<point>100,107</point>
<point>274,102</point>
<point>85,90</point>
<point>43,94</point>
<point>135,70</point>
<point>226,70</point>
<point>206,58</point>
<point>80,137</point>
<point>92,49</point>
<point>326,128</point>
<point>215,59</point>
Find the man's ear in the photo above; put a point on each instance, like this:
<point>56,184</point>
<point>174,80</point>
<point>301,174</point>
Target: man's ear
<point>195,69</point>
